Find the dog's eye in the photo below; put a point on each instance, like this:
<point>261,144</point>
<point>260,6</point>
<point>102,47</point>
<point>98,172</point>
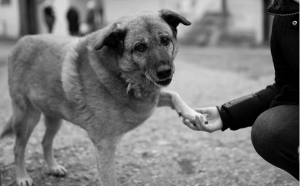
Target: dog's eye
<point>140,47</point>
<point>165,41</point>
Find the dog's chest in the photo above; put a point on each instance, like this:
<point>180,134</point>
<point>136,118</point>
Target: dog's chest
<point>138,111</point>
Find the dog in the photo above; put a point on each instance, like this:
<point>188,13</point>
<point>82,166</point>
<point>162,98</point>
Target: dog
<point>107,82</point>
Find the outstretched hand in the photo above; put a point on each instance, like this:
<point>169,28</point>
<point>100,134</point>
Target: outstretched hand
<point>212,123</point>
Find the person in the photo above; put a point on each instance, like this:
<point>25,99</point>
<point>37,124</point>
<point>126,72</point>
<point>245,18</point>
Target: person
<point>95,17</point>
<point>272,112</point>
<point>90,17</point>
<point>49,17</point>
<point>99,10</point>
<point>73,20</point>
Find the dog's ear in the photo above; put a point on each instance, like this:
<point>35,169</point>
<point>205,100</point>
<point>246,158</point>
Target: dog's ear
<point>112,36</point>
<point>173,19</point>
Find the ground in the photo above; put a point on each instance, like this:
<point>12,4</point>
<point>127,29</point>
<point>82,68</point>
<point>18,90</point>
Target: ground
<point>162,151</point>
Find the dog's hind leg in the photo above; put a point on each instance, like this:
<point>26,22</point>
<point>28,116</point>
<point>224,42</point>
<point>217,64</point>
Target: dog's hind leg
<point>52,126</point>
<point>24,121</point>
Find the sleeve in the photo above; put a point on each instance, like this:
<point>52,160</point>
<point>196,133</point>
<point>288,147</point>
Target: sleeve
<point>242,112</point>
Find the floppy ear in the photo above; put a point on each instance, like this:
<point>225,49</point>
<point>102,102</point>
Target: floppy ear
<point>111,36</point>
<point>173,19</point>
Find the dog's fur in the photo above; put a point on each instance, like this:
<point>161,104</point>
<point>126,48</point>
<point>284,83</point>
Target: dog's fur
<point>108,83</point>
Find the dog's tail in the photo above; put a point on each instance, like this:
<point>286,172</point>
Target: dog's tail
<point>8,129</point>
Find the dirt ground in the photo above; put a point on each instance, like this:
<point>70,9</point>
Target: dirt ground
<point>162,151</point>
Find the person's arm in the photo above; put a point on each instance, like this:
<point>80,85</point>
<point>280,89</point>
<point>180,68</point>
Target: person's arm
<point>242,112</point>
<point>236,114</point>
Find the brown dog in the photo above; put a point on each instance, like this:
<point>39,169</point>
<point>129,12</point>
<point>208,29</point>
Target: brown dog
<point>108,83</point>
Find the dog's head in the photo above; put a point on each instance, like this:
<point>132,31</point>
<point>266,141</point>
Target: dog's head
<point>145,44</point>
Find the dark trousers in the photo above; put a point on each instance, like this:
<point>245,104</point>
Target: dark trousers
<point>275,137</point>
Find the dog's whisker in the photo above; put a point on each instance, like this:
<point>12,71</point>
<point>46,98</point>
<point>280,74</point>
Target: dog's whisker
<point>128,88</point>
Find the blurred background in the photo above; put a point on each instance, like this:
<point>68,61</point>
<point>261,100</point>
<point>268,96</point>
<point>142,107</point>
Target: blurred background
<point>223,55</point>
<point>215,22</point>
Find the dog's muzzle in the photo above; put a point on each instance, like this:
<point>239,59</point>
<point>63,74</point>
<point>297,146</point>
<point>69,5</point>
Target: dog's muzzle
<point>164,82</point>
<point>164,72</point>
<point>164,75</point>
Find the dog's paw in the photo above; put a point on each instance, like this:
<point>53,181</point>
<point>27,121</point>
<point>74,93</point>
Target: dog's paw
<point>26,181</point>
<point>58,170</point>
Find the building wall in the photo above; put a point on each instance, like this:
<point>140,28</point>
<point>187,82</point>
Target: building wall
<point>129,7</point>
<point>246,17</point>
<point>194,10</point>
<point>60,8</point>
<point>10,20</point>
<point>80,5</point>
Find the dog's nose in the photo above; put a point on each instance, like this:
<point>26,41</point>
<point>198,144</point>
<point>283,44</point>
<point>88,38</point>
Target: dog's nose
<point>163,71</point>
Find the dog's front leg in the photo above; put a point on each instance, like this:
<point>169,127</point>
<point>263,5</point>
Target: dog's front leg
<point>173,100</point>
<point>105,154</point>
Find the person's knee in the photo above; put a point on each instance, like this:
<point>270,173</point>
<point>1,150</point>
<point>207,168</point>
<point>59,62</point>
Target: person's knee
<point>263,136</point>
<point>279,125</point>
<point>275,137</point>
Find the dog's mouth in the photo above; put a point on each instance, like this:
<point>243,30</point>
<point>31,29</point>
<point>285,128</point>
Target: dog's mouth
<point>164,82</point>
<point>159,83</point>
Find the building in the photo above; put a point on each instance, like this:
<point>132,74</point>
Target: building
<point>22,17</point>
<point>245,19</point>
<point>227,21</point>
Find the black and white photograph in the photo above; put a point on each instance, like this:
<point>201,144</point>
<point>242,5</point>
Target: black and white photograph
<point>149,93</point>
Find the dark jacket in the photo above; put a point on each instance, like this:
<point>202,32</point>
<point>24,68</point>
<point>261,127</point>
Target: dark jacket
<point>242,112</point>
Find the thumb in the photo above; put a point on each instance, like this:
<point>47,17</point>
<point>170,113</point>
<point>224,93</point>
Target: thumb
<point>203,110</point>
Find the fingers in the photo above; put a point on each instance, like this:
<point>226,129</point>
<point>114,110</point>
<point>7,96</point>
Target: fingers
<point>190,125</point>
<point>203,110</point>
<point>209,127</point>
<point>204,125</point>
<point>201,124</point>
<point>197,123</point>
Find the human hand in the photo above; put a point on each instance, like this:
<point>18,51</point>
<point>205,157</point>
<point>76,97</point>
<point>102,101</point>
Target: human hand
<point>191,115</point>
<point>212,116</point>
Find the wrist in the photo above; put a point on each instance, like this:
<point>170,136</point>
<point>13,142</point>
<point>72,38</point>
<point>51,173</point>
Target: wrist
<point>225,117</point>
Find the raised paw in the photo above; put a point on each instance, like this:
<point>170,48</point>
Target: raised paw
<point>25,181</point>
<point>58,171</point>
